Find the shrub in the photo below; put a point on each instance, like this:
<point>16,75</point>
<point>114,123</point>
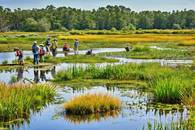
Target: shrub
<point>92,103</point>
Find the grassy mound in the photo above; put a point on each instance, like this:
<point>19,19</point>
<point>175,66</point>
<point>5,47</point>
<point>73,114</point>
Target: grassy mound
<point>17,100</point>
<point>92,103</point>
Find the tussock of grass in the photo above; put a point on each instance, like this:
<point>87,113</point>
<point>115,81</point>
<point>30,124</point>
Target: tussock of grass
<point>92,103</point>
<point>171,90</point>
<point>17,100</point>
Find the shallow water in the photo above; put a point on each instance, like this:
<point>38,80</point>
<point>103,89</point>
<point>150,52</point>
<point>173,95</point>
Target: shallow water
<point>10,56</point>
<point>163,62</point>
<point>135,112</point>
<point>45,74</point>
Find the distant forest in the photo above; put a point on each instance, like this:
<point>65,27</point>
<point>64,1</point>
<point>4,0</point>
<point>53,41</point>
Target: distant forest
<point>108,18</point>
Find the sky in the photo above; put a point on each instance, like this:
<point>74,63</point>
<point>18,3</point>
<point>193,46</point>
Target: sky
<point>136,5</point>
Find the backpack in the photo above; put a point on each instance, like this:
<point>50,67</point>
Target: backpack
<point>54,46</point>
<point>19,53</point>
<point>34,49</point>
<point>42,51</point>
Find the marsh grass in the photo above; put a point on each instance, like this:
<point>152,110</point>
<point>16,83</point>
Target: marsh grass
<point>169,84</point>
<point>79,59</point>
<point>148,53</point>
<point>98,38</point>
<point>92,103</point>
<point>171,90</point>
<point>5,62</point>
<point>182,125</point>
<point>17,100</point>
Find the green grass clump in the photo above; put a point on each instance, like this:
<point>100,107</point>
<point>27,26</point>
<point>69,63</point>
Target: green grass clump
<point>5,62</point>
<point>92,103</point>
<point>17,100</point>
<point>170,90</point>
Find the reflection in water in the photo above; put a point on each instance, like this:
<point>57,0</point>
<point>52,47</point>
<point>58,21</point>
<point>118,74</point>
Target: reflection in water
<point>137,110</point>
<point>78,119</point>
<point>20,71</point>
<point>36,75</point>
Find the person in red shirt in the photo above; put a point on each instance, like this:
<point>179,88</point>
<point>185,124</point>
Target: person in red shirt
<point>66,49</point>
<point>19,54</point>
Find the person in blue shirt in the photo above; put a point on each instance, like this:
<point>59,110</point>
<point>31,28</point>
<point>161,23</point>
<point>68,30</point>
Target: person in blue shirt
<point>76,45</point>
<point>35,50</point>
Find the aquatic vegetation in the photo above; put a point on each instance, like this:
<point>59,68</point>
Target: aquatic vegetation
<point>171,89</point>
<point>5,62</point>
<point>92,103</point>
<point>79,59</point>
<point>182,125</point>
<point>159,78</point>
<point>148,53</point>
<point>147,71</point>
<point>17,100</point>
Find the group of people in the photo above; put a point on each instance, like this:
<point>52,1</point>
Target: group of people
<point>49,48</point>
<point>40,51</point>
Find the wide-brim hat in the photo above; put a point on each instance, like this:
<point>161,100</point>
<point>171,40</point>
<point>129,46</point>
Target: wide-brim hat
<point>16,48</point>
<point>41,45</point>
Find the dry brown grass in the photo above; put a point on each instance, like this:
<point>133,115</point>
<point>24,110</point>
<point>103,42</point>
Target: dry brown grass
<point>92,103</point>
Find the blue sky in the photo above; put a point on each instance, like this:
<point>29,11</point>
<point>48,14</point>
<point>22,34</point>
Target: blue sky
<point>137,5</point>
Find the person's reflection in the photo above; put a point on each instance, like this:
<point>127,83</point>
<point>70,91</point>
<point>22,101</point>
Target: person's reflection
<point>42,75</point>
<point>20,71</point>
<point>53,71</point>
<point>36,75</point>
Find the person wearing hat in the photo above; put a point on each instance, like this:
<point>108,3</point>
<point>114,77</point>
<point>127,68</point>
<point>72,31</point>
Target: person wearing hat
<point>76,45</point>
<point>19,54</point>
<point>35,50</point>
<point>41,53</point>
<point>47,45</point>
<point>54,47</point>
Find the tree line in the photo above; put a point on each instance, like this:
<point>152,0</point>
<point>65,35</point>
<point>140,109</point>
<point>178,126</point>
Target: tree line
<point>110,17</point>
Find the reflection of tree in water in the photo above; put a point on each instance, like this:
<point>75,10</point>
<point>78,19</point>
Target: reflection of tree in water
<point>78,119</point>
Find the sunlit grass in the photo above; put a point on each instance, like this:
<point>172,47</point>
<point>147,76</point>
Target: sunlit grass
<point>79,59</point>
<point>171,90</point>
<point>17,100</point>
<point>92,103</point>
<point>166,89</point>
<point>150,53</point>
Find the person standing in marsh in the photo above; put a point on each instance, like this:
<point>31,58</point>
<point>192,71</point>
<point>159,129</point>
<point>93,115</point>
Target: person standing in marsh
<point>19,54</point>
<point>47,45</point>
<point>66,49</point>
<point>35,50</point>
<point>41,53</point>
<point>76,45</point>
<point>54,47</point>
